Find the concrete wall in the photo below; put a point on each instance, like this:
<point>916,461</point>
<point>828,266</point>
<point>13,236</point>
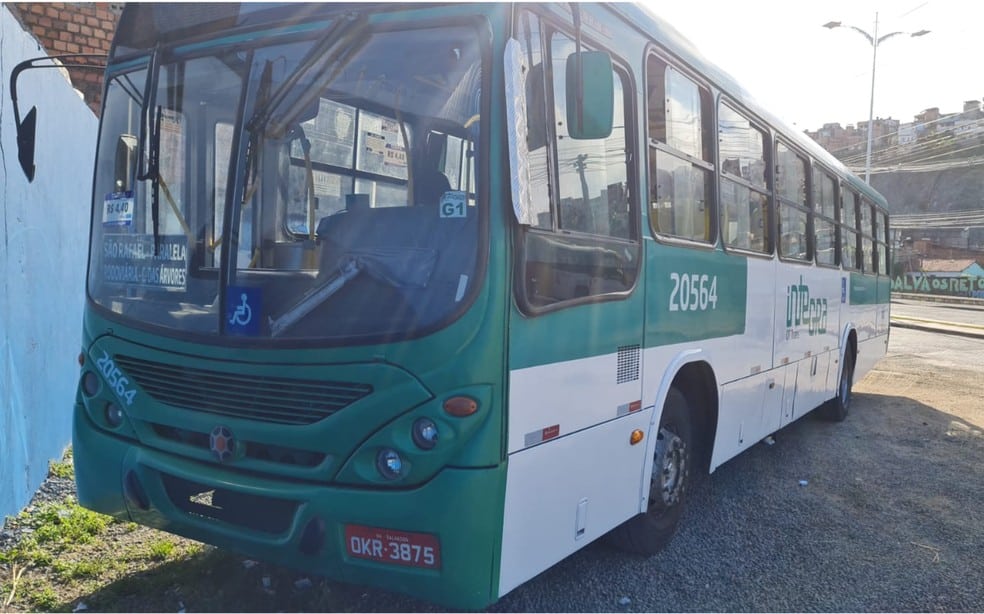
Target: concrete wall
<point>44,229</point>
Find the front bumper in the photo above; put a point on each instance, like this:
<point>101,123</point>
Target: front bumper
<point>302,524</point>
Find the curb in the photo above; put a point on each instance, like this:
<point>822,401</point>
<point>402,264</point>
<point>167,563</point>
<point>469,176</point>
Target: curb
<point>936,298</point>
<point>938,327</point>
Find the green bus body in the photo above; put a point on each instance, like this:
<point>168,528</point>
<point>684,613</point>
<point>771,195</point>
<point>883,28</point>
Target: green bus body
<point>272,439</point>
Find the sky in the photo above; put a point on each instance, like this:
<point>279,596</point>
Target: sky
<point>809,75</point>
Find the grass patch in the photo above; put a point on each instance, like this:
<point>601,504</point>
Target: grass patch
<point>161,549</point>
<point>67,523</point>
<point>80,569</point>
<point>65,468</point>
<point>62,469</point>
<point>67,555</point>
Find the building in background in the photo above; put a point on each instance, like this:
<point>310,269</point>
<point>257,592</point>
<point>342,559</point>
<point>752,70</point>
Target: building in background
<point>72,27</point>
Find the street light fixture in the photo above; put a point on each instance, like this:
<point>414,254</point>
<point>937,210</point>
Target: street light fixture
<point>875,40</point>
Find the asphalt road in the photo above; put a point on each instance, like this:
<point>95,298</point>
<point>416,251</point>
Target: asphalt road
<point>891,517</point>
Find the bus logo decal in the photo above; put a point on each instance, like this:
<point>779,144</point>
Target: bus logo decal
<point>222,443</point>
<point>801,310</point>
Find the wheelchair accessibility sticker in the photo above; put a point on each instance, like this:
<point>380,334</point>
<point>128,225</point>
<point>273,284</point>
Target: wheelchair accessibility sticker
<point>242,311</point>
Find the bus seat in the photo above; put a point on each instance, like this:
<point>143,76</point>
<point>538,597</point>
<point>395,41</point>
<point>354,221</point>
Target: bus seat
<point>417,230</point>
<point>428,187</point>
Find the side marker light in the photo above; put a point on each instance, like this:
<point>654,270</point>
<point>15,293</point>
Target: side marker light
<point>636,436</point>
<point>460,406</point>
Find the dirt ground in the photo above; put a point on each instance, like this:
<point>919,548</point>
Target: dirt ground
<point>942,372</point>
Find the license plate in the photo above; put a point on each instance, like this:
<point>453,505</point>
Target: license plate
<point>394,547</point>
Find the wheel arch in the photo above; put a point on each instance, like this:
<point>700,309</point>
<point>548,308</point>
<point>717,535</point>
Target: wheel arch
<point>848,343</point>
<point>692,373</point>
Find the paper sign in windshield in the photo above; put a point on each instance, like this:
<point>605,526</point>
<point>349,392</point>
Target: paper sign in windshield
<point>130,259</point>
<point>453,204</point>
<point>118,209</point>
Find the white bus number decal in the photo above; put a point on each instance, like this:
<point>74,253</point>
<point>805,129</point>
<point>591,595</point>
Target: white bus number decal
<point>116,379</point>
<point>693,292</point>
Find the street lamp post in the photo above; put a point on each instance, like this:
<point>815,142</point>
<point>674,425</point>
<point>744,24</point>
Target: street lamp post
<point>875,40</point>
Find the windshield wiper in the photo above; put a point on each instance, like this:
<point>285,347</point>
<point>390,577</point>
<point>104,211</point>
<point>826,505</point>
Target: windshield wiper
<point>150,134</point>
<point>345,38</point>
<point>153,173</point>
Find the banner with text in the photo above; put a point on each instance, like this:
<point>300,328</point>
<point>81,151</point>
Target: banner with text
<point>131,259</point>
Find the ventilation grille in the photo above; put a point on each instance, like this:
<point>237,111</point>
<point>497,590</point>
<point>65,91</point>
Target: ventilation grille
<point>252,397</point>
<point>628,364</point>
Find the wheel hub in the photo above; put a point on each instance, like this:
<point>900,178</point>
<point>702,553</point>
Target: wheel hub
<point>669,469</point>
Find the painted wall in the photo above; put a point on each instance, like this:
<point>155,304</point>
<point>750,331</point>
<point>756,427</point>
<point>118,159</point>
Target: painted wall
<point>44,228</point>
<point>948,285</point>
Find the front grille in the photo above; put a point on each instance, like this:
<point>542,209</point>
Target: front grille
<point>256,512</point>
<point>241,395</point>
<point>259,451</point>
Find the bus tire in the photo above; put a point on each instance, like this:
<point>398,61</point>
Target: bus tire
<point>836,409</point>
<point>650,531</point>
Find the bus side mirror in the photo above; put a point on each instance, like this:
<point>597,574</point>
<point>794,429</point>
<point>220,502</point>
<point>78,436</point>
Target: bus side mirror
<point>26,130</point>
<point>590,95</point>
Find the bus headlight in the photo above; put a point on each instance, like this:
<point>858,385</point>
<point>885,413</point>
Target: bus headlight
<point>425,433</point>
<point>389,464</point>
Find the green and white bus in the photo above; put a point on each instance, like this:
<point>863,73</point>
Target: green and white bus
<point>428,297</point>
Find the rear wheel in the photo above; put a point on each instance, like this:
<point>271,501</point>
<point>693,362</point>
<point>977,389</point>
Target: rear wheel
<point>650,531</point>
<point>837,408</point>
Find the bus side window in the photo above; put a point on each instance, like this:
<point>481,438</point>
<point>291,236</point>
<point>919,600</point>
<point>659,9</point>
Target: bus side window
<point>794,216</point>
<point>849,229</point>
<point>866,222</point>
<point>584,241</point>
<point>680,167</point>
<point>882,238</point>
<point>825,217</point>
<point>592,173</point>
<point>745,194</point>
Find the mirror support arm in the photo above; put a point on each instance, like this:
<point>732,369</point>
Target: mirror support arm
<point>579,72</point>
<point>26,129</point>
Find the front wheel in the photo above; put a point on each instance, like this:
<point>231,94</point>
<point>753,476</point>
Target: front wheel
<point>649,532</point>
<point>836,409</point>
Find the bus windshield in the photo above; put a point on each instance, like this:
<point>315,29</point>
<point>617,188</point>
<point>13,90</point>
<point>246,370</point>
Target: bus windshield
<point>324,188</point>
